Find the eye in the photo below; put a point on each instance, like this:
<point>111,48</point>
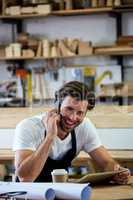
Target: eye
<point>80,113</point>
<point>69,108</point>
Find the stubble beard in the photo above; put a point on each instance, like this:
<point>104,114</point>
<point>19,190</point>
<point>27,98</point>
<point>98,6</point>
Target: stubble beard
<point>64,127</point>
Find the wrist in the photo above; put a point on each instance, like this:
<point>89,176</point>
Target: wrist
<point>49,137</point>
<point>111,165</point>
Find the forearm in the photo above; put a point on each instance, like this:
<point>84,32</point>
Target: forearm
<point>103,159</point>
<point>30,168</point>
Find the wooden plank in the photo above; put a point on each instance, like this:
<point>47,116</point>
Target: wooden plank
<point>83,11</point>
<point>112,116</point>
<point>126,155</point>
<point>101,116</point>
<point>16,58</point>
<point>114,50</point>
<point>43,58</point>
<point>10,117</point>
<point>62,13</point>
<point>125,158</point>
<point>23,16</point>
<point>112,121</point>
<point>121,155</point>
<point>70,12</point>
<point>113,192</point>
<point>106,51</point>
<point>124,8</point>
<point>72,56</point>
<point>6,156</point>
<point>83,159</point>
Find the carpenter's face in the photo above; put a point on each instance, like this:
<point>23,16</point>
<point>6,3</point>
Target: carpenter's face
<point>72,112</point>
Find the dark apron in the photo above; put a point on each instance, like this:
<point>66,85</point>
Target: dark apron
<point>63,163</point>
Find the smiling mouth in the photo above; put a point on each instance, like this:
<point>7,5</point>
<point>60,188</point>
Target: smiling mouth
<point>71,124</point>
<point>68,124</point>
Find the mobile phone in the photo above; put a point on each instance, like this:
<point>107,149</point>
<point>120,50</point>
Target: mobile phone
<point>57,106</point>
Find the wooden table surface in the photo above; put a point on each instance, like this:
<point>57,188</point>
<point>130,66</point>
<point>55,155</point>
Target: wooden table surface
<point>125,155</point>
<point>108,192</point>
<point>113,192</point>
<point>6,156</point>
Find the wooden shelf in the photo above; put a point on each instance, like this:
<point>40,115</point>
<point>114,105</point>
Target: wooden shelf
<point>74,56</point>
<point>88,11</point>
<point>23,16</point>
<point>16,58</point>
<point>113,50</point>
<point>123,8</point>
<point>43,58</point>
<point>61,13</point>
<point>104,51</point>
<point>83,11</point>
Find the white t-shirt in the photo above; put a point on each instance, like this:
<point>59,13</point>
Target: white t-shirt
<point>30,133</point>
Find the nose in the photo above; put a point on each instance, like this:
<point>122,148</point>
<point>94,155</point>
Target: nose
<point>73,116</point>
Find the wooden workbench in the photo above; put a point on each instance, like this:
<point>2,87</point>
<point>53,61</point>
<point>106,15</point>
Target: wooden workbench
<point>7,155</point>
<point>113,192</point>
<point>101,116</point>
<point>101,192</point>
<point>124,157</point>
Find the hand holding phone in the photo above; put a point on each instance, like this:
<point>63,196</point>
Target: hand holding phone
<point>50,122</point>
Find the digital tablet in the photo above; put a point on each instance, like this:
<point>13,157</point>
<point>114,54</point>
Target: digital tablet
<point>96,177</point>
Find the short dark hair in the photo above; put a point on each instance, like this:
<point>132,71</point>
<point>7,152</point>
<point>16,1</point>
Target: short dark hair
<point>78,90</point>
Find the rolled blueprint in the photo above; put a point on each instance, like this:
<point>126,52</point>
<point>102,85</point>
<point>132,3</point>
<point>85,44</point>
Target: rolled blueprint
<point>47,191</point>
<point>27,191</point>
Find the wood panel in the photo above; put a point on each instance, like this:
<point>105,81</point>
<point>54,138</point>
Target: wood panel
<point>114,50</point>
<point>123,155</point>
<point>11,116</point>
<point>6,156</point>
<point>113,192</point>
<point>101,116</point>
<point>125,158</point>
<point>44,58</point>
<point>83,11</point>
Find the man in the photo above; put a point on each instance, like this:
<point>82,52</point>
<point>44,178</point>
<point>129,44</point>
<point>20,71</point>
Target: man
<point>52,140</point>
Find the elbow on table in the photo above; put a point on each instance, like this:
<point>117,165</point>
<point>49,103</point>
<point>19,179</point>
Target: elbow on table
<point>23,178</point>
